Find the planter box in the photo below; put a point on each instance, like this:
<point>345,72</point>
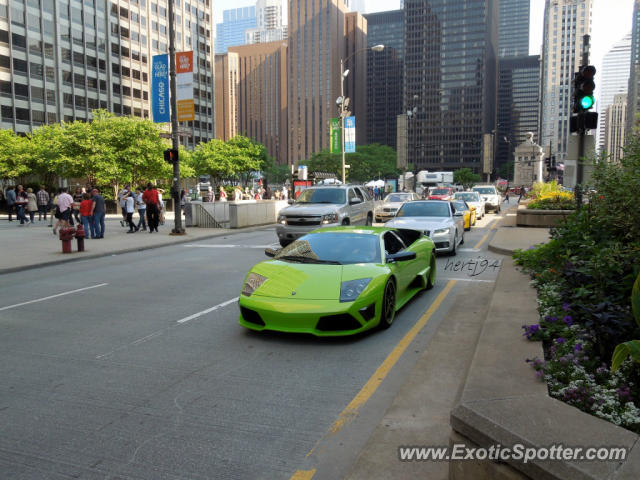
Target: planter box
<point>540,218</point>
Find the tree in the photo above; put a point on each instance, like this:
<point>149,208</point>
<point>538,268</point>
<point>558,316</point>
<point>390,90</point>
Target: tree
<point>466,178</point>
<point>14,155</point>
<point>368,162</point>
<point>232,159</point>
<point>276,173</point>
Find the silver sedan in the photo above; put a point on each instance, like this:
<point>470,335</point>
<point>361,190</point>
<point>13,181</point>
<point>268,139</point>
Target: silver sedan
<point>436,218</point>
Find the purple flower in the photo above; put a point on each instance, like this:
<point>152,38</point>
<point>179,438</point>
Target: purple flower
<point>550,319</point>
<point>530,330</point>
<point>568,320</point>
<point>566,307</point>
<point>560,340</point>
<point>531,248</point>
<point>577,347</point>
<point>539,374</point>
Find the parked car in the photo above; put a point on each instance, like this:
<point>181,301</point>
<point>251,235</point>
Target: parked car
<point>436,218</point>
<point>441,193</point>
<point>324,206</point>
<point>473,199</point>
<point>392,203</point>
<point>337,281</point>
<point>490,195</point>
<point>469,212</point>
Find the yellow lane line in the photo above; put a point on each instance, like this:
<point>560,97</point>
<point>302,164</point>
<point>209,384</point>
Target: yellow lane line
<point>486,235</point>
<point>303,474</point>
<point>351,410</point>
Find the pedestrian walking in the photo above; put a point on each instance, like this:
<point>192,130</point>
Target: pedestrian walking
<point>284,193</point>
<point>98,212</point>
<point>522,192</point>
<point>32,204</point>
<point>183,200</point>
<point>142,210</point>
<point>150,198</point>
<point>237,194</point>
<point>160,206</point>
<point>11,202</point>
<point>21,204</point>
<point>54,209</point>
<point>506,194</point>
<point>43,203</point>
<point>223,194</point>
<point>122,201</point>
<point>130,206</point>
<point>86,207</point>
<point>65,207</point>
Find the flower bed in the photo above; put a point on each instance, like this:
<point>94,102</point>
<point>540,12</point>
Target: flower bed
<point>584,277</point>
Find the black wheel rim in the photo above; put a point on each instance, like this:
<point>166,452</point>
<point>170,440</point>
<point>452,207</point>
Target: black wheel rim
<point>389,303</point>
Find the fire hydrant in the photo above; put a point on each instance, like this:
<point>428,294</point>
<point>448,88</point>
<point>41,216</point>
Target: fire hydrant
<point>80,234</point>
<point>66,235</point>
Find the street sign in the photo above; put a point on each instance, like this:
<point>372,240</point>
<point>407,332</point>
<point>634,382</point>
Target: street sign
<point>160,88</point>
<point>350,134</point>
<point>184,86</point>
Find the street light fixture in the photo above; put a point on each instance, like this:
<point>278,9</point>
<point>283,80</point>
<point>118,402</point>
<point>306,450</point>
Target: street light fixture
<point>343,102</point>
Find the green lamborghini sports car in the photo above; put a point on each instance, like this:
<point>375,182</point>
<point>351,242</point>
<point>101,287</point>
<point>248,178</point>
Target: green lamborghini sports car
<point>338,281</point>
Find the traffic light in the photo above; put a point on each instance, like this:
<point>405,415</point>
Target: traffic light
<point>171,156</point>
<point>547,162</point>
<point>553,162</point>
<point>583,87</point>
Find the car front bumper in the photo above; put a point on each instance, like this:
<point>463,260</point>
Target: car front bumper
<point>325,318</point>
<point>293,232</point>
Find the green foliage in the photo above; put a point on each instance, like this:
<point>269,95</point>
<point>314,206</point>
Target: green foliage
<point>276,173</point>
<point>367,163</point>
<point>14,157</point>
<point>227,160</point>
<point>630,348</point>
<point>545,189</point>
<point>466,178</point>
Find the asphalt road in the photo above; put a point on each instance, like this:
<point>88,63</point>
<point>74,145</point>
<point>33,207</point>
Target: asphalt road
<point>134,366</point>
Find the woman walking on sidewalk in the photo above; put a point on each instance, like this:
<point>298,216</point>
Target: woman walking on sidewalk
<point>142,209</point>
<point>130,206</point>
<point>32,204</point>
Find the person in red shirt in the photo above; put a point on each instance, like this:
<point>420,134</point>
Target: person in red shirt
<point>150,198</point>
<point>86,207</point>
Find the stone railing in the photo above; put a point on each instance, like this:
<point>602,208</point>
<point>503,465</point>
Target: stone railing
<point>527,217</point>
<point>244,213</point>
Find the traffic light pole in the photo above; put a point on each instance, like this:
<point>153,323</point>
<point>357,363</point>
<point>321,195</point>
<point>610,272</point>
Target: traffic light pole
<point>581,133</point>
<point>175,189</point>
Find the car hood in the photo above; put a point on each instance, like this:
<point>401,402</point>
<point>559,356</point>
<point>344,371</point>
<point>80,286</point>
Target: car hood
<point>310,208</point>
<point>420,223</point>
<point>395,205</point>
<point>309,281</point>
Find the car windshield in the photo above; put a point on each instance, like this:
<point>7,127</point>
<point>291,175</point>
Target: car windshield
<point>333,248</point>
<point>460,206</point>
<point>468,196</point>
<point>441,191</point>
<point>424,209</point>
<point>322,195</point>
<point>485,190</point>
<point>395,197</point>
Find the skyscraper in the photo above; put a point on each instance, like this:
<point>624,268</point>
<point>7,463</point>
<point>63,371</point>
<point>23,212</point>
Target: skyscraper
<point>356,81</point>
<point>59,60</point>
<point>513,29</point>
<point>235,22</point>
<point>566,22</point>
<point>269,23</point>
<point>315,45</point>
<point>384,75</point>
<point>450,69</point>
<point>633,93</point>
<point>614,128</point>
<point>613,81</point>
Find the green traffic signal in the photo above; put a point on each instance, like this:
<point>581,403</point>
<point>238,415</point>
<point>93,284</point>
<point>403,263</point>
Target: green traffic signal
<point>587,102</point>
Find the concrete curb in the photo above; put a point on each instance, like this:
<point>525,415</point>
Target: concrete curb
<point>182,240</point>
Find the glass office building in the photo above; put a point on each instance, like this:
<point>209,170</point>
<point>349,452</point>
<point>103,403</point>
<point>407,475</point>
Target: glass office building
<point>231,32</point>
<point>513,28</point>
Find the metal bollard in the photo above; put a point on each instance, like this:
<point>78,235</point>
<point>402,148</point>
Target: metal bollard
<point>66,235</point>
<point>80,235</point>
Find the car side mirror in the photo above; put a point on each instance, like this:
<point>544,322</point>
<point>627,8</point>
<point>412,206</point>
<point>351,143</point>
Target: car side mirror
<point>401,257</point>
<point>355,201</point>
<point>458,214</point>
<point>270,252</point>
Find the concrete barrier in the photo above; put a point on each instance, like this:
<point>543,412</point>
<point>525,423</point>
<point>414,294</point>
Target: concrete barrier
<point>244,213</point>
<point>540,218</point>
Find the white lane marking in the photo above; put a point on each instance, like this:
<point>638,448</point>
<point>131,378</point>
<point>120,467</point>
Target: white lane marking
<point>227,246</point>
<point>52,296</point>
<point>468,249</point>
<point>204,312</point>
<point>160,332</point>
<point>466,279</point>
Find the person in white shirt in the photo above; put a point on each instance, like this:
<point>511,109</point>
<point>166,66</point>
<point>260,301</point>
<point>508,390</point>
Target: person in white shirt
<point>284,193</point>
<point>130,207</point>
<point>161,206</point>
<point>142,209</point>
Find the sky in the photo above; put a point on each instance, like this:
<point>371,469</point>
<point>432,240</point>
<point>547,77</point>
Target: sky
<point>611,21</point>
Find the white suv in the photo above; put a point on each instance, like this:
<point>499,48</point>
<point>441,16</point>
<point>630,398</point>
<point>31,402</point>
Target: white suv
<point>324,206</point>
<point>490,195</point>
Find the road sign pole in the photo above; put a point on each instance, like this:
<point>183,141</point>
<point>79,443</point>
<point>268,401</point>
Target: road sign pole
<point>175,189</point>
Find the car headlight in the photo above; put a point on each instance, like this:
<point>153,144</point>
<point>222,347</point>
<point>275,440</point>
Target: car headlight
<point>282,219</point>
<point>350,290</point>
<point>252,283</point>
<point>441,231</point>
<point>330,218</point>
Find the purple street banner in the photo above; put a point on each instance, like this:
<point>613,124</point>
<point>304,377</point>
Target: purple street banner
<point>160,105</point>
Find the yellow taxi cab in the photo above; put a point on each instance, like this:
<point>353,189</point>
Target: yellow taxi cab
<point>468,210</point>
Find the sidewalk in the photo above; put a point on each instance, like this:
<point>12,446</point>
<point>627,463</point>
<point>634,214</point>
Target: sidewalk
<point>34,246</point>
<point>420,413</point>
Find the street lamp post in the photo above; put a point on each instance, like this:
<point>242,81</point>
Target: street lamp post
<point>412,117</point>
<point>344,102</point>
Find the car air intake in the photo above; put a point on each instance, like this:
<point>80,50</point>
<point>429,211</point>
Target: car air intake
<point>336,323</point>
<point>368,313</point>
<point>251,316</point>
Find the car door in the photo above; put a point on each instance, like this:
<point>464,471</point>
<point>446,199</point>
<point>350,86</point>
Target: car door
<point>357,208</point>
<point>394,244</point>
<point>459,221</point>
